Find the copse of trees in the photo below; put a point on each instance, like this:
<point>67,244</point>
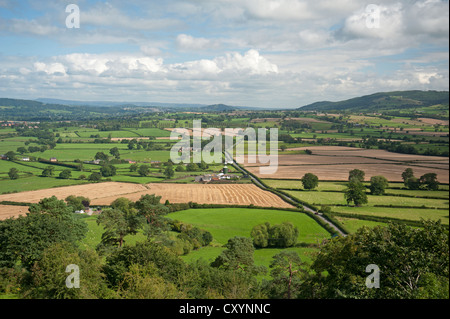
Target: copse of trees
<point>280,236</point>
<point>427,181</point>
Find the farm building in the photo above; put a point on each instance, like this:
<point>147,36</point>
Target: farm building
<point>215,177</point>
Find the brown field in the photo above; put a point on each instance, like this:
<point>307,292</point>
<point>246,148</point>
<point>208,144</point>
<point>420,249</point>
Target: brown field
<point>306,119</point>
<point>138,138</point>
<point>7,211</point>
<point>105,193</point>
<point>334,163</point>
<point>433,121</point>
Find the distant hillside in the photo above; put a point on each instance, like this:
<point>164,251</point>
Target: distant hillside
<point>30,110</point>
<point>228,108</point>
<point>219,108</point>
<point>120,103</point>
<point>383,101</point>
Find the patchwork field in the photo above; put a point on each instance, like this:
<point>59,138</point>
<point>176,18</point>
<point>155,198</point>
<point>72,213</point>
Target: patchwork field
<point>105,193</point>
<point>334,163</point>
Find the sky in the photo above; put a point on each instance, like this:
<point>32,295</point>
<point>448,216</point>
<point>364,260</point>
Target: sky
<point>259,53</point>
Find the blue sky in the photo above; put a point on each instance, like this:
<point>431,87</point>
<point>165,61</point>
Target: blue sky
<point>268,53</point>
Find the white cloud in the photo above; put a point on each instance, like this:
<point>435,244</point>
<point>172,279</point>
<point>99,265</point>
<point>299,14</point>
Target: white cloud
<point>51,68</point>
<point>187,42</point>
<point>254,52</point>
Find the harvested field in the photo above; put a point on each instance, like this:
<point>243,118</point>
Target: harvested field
<point>433,121</point>
<point>306,120</point>
<point>105,193</point>
<point>334,163</point>
<point>7,211</point>
<point>92,191</point>
<point>232,194</point>
<point>340,172</point>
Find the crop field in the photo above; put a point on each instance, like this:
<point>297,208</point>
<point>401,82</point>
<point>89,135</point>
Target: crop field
<point>334,163</point>
<point>227,194</point>
<point>105,193</point>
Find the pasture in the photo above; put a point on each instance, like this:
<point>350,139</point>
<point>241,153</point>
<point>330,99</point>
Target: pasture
<point>225,223</point>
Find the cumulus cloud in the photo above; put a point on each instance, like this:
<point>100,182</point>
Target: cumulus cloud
<point>253,52</point>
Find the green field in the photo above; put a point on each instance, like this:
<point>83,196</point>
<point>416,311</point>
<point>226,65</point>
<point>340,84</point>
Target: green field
<point>417,204</point>
<point>222,223</point>
<point>225,223</point>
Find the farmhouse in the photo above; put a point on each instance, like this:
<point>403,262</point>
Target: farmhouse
<point>53,159</point>
<point>215,177</point>
<point>97,161</point>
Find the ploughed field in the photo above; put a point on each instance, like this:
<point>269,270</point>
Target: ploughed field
<point>105,193</point>
<point>334,163</point>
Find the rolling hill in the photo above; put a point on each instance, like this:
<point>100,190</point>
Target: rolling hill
<point>384,101</point>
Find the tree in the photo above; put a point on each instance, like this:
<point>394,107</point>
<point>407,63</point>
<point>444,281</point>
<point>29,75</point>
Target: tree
<point>429,181</point>
<point>10,156</point>
<point>101,156</point>
<point>108,170</point>
<point>169,266</point>
<point>412,183</point>
<point>133,167</point>
<point>407,174</point>
<point>310,181</point>
<point>260,235</point>
<point>65,174</point>
<point>115,152</point>
<point>411,261</point>
<point>150,207</point>
<point>356,174</point>
<point>48,171</point>
<point>180,168</point>
<point>238,255</point>
<point>95,177</point>
<point>192,167</point>
<point>355,192</point>
<point>77,202</point>
<point>118,224</point>
<point>22,150</point>
<point>47,278</point>
<point>144,170</point>
<point>13,173</point>
<point>283,235</point>
<point>169,173</point>
<point>287,270</point>
<point>143,282</point>
<point>378,184</point>
<point>25,238</point>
